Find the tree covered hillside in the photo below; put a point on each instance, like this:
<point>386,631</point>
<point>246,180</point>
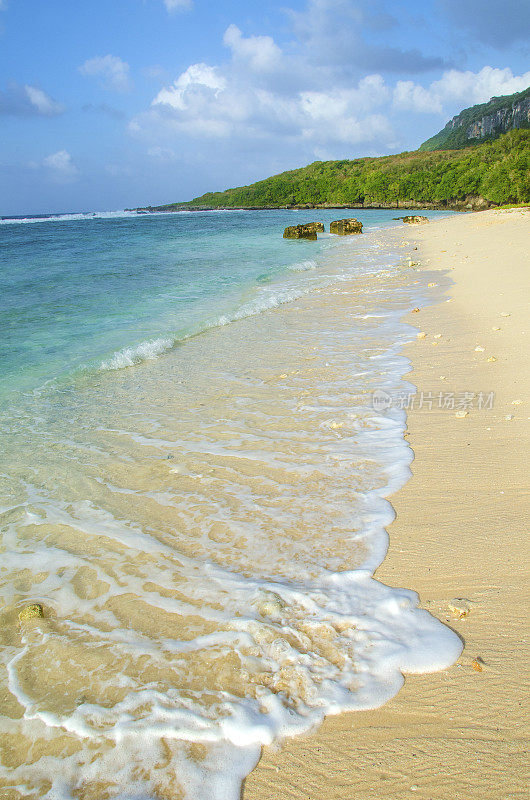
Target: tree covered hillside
<point>498,171</point>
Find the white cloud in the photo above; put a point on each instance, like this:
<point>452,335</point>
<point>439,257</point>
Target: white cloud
<point>198,84</point>
<point>113,73</point>
<point>259,52</point>
<point>458,88</point>
<point>178,5</point>
<point>478,87</point>
<point>225,103</point>
<point>61,166</point>
<point>260,94</point>
<point>42,102</point>
<point>28,101</point>
<point>265,100</point>
<point>410,96</point>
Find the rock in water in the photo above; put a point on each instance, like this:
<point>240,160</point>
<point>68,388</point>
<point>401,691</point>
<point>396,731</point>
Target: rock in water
<point>31,611</point>
<point>345,227</point>
<point>307,231</point>
<point>414,219</point>
<point>316,227</point>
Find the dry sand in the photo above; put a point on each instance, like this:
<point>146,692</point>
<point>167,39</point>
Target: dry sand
<point>460,532</point>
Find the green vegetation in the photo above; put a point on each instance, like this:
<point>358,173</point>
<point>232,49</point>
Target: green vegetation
<point>498,171</point>
<point>456,138</point>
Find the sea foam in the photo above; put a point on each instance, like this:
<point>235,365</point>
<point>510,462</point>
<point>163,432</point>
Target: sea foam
<point>141,352</point>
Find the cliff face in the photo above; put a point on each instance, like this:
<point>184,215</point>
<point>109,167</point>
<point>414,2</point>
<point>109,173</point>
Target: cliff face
<point>505,119</point>
<point>499,115</point>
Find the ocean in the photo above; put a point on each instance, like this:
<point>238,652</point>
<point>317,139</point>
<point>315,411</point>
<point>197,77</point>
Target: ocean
<point>193,485</point>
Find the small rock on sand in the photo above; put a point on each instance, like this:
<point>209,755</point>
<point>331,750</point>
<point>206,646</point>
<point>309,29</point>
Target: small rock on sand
<point>31,611</point>
<point>479,349</point>
<point>461,414</point>
<point>422,335</point>
<point>271,605</point>
<point>459,606</point>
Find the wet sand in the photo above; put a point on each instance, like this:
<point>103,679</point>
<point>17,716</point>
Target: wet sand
<point>459,533</point>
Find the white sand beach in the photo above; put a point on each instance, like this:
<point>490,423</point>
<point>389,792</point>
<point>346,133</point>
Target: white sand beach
<point>460,532</point>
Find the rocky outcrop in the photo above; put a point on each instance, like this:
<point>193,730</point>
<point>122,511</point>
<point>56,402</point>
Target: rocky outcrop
<point>307,231</point>
<point>345,227</point>
<point>487,120</point>
<point>505,119</point>
<point>315,227</point>
<point>472,202</point>
<point>414,219</point>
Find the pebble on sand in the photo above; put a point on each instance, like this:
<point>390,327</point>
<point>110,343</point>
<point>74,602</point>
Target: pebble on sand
<point>461,414</point>
<point>271,605</point>
<point>31,611</point>
<point>437,336</point>
<point>491,359</point>
<point>505,314</point>
<point>422,335</point>
<point>415,310</point>
<point>479,349</point>
<point>459,606</point>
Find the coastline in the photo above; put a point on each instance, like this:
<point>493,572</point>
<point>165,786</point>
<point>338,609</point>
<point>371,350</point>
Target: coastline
<point>471,203</point>
<point>458,534</point>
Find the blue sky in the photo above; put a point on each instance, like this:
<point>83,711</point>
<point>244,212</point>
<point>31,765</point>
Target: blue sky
<point>106,105</point>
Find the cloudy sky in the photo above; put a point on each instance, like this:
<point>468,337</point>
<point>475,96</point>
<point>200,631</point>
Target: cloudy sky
<point>106,104</point>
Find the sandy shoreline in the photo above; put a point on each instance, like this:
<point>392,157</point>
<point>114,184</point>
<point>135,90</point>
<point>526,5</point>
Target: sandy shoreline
<point>460,532</point>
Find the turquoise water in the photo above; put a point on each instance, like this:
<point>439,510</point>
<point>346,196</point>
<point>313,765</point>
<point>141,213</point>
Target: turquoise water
<point>85,292</point>
<point>193,486</point>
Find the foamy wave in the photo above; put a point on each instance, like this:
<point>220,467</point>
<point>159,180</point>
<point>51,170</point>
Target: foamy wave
<point>303,266</point>
<point>71,217</point>
<point>266,300</point>
<point>135,355</point>
<point>91,215</point>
